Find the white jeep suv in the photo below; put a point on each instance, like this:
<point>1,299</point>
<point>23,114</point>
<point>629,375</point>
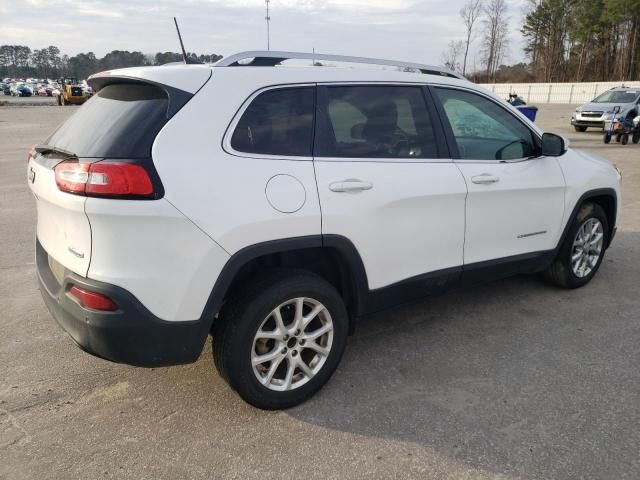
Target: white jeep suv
<point>272,204</point>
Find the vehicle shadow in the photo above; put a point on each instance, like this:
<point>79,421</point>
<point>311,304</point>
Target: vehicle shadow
<point>514,377</point>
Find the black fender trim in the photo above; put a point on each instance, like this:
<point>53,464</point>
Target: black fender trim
<point>598,192</point>
<point>240,258</point>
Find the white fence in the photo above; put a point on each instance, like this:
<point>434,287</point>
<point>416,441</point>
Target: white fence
<point>555,92</point>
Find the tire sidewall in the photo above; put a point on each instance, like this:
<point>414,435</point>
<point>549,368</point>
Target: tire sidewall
<point>240,370</point>
<point>585,213</point>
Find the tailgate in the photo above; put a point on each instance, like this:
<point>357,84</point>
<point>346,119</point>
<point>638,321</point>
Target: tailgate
<point>63,228</point>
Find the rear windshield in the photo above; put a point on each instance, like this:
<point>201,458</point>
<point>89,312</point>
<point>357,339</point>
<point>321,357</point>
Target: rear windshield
<point>617,96</point>
<point>120,121</point>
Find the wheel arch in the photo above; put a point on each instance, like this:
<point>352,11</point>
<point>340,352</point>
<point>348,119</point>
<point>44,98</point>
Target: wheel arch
<point>333,257</point>
<point>607,199</point>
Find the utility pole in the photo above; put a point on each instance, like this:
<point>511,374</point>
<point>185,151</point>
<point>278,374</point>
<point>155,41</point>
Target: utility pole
<point>267,18</point>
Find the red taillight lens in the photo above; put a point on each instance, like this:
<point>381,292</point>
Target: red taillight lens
<point>103,179</point>
<point>93,300</point>
<point>72,176</point>
<point>30,154</point>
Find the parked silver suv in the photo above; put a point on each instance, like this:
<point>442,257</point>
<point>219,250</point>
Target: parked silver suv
<point>595,113</point>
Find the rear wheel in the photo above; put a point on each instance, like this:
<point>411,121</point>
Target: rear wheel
<point>635,138</point>
<point>581,253</point>
<point>580,129</point>
<point>279,340</point>
<point>625,139</point>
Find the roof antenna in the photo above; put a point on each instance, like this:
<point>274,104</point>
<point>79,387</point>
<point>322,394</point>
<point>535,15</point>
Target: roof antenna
<point>184,53</point>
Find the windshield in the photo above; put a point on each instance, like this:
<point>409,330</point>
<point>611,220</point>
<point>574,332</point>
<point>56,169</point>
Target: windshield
<point>120,121</point>
<point>617,96</point>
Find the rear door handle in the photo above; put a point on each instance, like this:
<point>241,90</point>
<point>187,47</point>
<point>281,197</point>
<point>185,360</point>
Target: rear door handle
<point>485,178</point>
<point>350,185</point>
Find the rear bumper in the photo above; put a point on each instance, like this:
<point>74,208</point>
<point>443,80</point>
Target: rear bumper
<point>131,334</point>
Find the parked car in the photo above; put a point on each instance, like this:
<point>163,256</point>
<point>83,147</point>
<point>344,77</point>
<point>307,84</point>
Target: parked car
<point>21,90</point>
<point>274,207</point>
<point>596,112</point>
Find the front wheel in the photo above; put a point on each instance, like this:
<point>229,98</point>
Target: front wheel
<point>279,340</point>
<point>582,250</point>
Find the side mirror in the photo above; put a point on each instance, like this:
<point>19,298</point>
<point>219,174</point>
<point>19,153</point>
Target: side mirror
<point>552,145</point>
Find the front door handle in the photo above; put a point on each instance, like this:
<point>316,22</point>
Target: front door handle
<point>350,185</point>
<point>484,179</point>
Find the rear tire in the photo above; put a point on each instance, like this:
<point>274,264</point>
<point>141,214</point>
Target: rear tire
<point>625,139</point>
<point>295,363</point>
<point>580,129</point>
<point>582,250</point>
<point>635,138</point>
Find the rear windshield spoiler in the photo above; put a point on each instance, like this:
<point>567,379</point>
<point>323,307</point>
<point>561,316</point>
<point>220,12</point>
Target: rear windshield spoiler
<point>177,98</point>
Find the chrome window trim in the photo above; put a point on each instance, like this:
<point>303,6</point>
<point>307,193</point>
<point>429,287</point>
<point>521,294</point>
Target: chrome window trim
<point>226,142</point>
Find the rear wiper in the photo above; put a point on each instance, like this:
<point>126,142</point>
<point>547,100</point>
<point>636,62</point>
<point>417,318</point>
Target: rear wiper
<point>44,149</point>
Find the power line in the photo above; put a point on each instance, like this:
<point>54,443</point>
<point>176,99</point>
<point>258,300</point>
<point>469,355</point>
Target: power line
<point>267,18</point>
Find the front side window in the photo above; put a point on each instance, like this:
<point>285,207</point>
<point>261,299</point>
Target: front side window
<point>374,122</point>
<point>277,122</point>
<point>484,130</point>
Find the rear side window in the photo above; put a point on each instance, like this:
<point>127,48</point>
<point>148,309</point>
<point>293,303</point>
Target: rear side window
<point>120,121</point>
<point>375,122</point>
<point>277,122</point>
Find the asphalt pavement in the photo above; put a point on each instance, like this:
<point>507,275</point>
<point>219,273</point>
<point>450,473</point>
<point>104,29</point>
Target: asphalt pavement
<point>513,379</point>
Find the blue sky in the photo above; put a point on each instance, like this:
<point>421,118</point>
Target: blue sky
<point>400,29</point>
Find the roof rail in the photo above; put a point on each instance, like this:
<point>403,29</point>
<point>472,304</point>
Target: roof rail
<point>262,58</point>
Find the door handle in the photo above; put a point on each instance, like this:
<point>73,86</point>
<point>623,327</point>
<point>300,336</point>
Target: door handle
<point>484,179</point>
<point>350,185</point>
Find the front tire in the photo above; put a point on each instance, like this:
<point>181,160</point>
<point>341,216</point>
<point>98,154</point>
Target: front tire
<point>582,250</point>
<point>279,340</point>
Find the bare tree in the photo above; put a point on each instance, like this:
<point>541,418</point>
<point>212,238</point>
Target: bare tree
<point>494,42</point>
<point>470,13</point>
<point>452,54</point>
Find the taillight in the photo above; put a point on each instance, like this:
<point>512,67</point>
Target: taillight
<point>30,154</point>
<point>93,300</point>
<point>104,179</point>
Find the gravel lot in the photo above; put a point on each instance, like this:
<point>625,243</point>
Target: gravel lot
<point>514,379</point>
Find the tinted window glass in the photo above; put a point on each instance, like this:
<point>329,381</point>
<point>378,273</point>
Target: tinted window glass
<point>484,130</point>
<point>120,121</point>
<point>617,96</point>
<point>278,122</point>
<point>375,122</point>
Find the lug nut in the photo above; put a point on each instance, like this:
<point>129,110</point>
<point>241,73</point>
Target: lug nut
<point>294,353</point>
<point>297,333</point>
<point>302,341</point>
<point>285,338</point>
<point>284,350</point>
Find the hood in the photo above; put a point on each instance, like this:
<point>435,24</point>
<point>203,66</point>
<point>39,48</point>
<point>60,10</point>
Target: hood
<point>592,157</point>
<point>601,107</point>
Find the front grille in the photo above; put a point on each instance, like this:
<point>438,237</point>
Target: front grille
<point>76,91</point>
<point>592,114</point>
